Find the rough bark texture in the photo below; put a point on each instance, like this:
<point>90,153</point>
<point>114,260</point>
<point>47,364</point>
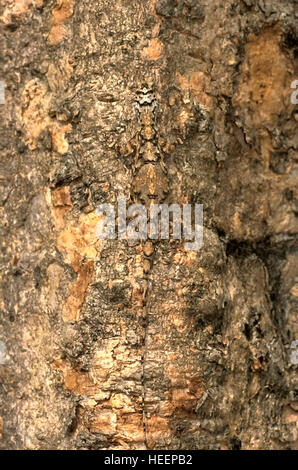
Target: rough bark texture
<point>204,361</point>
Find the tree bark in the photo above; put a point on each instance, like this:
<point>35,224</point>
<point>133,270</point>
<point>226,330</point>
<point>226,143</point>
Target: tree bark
<point>115,344</point>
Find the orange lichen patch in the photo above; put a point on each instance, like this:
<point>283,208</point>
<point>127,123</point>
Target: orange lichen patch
<point>157,429</point>
<point>75,300</point>
<point>75,381</point>
<point>238,222</point>
<point>130,427</point>
<point>264,83</point>
<point>294,290</point>
<point>60,144</point>
<point>122,402</point>
<point>289,415</point>
<point>198,83</point>
<point>258,365</point>
<point>183,117</point>
<point>60,202</point>
<point>177,380</point>
<point>57,33</point>
<point>104,421</point>
<point>185,257</point>
<point>185,390</point>
<point>103,361</point>
<point>34,111</point>
<point>61,197</point>
<point>237,225</point>
<point>184,400</point>
<point>18,8</point>
<point>154,50</point>
<point>34,117</point>
<point>77,241</point>
<point>62,11</point>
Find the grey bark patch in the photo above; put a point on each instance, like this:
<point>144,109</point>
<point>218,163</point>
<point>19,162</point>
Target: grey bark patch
<point>2,352</point>
<point>66,172</point>
<point>165,7</point>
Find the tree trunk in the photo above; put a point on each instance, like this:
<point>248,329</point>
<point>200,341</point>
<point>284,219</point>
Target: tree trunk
<point>122,344</point>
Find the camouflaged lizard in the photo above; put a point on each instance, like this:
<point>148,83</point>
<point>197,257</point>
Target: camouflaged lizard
<point>149,185</point>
